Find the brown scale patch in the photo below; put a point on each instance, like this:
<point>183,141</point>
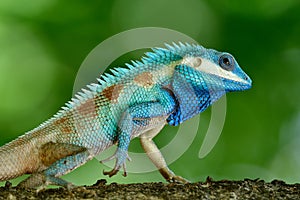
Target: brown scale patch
<point>65,124</point>
<point>67,129</point>
<point>144,79</point>
<point>51,152</point>
<point>88,108</point>
<point>112,92</point>
<point>60,121</point>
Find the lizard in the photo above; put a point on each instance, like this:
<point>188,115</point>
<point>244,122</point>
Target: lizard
<point>169,85</point>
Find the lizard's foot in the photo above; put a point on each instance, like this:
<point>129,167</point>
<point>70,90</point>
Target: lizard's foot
<point>171,177</point>
<point>40,181</point>
<point>178,179</point>
<point>120,157</point>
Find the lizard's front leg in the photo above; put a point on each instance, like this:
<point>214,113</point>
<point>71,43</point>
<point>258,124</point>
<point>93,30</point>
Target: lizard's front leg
<point>134,120</point>
<point>124,131</point>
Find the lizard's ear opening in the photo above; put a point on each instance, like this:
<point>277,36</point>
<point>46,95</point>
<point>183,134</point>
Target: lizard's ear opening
<point>197,62</point>
<point>192,61</point>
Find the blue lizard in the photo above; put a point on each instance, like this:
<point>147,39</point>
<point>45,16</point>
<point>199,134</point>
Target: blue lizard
<point>168,86</point>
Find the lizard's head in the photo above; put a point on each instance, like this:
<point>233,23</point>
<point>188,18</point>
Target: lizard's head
<point>221,66</point>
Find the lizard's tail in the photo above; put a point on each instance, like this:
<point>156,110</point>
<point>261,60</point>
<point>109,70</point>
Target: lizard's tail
<point>16,159</point>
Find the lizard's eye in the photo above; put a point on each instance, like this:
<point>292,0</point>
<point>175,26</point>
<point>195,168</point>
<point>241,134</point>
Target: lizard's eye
<point>226,62</point>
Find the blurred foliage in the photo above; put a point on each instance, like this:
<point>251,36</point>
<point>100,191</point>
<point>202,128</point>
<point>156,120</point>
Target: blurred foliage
<point>44,42</point>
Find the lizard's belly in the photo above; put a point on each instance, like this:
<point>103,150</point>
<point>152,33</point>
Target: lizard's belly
<point>143,125</point>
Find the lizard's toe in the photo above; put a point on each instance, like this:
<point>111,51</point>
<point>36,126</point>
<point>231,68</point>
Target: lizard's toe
<point>120,156</point>
<point>111,173</point>
<point>171,177</point>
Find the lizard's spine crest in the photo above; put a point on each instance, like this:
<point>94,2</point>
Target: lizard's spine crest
<point>172,52</point>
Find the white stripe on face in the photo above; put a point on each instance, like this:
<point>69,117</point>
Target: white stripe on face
<point>206,66</point>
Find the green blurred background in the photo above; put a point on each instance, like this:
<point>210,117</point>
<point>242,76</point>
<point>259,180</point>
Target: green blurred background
<point>43,43</point>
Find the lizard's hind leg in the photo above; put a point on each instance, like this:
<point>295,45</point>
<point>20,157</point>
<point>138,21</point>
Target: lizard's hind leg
<point>50,176</point>
<point>156,157</point>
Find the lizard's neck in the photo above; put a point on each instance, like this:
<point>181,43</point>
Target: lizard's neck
<point>193,92</point>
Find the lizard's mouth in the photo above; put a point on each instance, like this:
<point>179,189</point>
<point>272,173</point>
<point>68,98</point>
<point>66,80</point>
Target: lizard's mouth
<point>232,85</point>
<point>218,83</point>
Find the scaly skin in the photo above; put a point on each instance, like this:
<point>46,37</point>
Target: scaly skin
<point>169,86</point>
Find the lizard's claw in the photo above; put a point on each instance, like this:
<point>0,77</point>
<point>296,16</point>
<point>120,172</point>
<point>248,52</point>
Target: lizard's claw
<point>115,170</point>
<point>178,179</point>
<point>120,157</point>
